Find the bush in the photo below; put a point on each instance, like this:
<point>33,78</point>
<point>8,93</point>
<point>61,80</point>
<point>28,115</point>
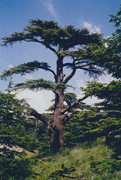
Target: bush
<point>108,165</point>
<point>15,168</point>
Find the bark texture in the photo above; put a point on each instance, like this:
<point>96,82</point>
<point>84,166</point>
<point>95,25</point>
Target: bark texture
<point>57,132</point>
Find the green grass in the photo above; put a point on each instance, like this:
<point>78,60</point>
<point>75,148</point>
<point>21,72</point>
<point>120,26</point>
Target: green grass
<point>79,163</point>
<point>92,161</point>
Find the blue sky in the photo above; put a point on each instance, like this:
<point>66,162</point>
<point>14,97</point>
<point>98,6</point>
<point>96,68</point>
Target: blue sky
<point>14,14</point>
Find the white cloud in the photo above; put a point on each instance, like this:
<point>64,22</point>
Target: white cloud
<point>10,66</point>
<point>106,78</point>
<point>50,7</point>
<point>39,100</point>
<point>90,27</point>
<point>28,76</point>
<point>97,29</point>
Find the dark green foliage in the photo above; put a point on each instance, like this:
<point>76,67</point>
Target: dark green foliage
<point>69,98</point>
<point>109,123</point>
<point>60,41</point>
<point>109,54</point>
<point>44,140</point>
<point>115,144</point>
<point>109,165</point>
<point>25,68</point>
<point>114,66</point>
<point>105,121</point>
<point>15,168</point>
<point>76,131</point>
<point>109,93</point>
<point>116,19</point>
<point>12,114</point>
<point>49,33</point>
<point>15,132</point>
<point>36,84</point>
<point>114,45</point>
<point>15,129</point>
<point>41,84</point>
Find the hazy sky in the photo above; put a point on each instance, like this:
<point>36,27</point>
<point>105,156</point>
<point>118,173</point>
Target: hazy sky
<point>14,14</point>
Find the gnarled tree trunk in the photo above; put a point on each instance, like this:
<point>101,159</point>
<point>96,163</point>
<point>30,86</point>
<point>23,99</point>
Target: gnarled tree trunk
<point>57,136</point>
<point>57,131</point>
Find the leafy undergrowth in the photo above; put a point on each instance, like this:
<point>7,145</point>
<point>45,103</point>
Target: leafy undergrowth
<point>93,163</point>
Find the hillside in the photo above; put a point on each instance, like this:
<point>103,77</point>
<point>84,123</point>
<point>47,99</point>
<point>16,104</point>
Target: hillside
<point>87,163</point>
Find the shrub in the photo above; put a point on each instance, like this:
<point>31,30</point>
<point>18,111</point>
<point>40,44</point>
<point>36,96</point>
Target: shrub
<point>15,168</point>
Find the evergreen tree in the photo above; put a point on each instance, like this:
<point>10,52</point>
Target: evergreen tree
<point>114,46</point>
<point>108,119</point>
<point>60,41</point>
<point>109,116</point>
<point>16,126</point>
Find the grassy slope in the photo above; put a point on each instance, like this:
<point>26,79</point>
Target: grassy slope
<point>77,163</point>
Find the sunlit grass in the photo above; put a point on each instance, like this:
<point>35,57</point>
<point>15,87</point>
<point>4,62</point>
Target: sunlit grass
<point>74,164</point>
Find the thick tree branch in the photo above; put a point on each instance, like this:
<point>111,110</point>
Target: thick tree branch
<point>67,117</point>
<point>41,42</point>
<point>80,62</point>
<point>73,104</point>
<point>69,76</point>
<point>41,117</point>
<point>83,65</point>
<point>68,64</point>
<point>74,69</point>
